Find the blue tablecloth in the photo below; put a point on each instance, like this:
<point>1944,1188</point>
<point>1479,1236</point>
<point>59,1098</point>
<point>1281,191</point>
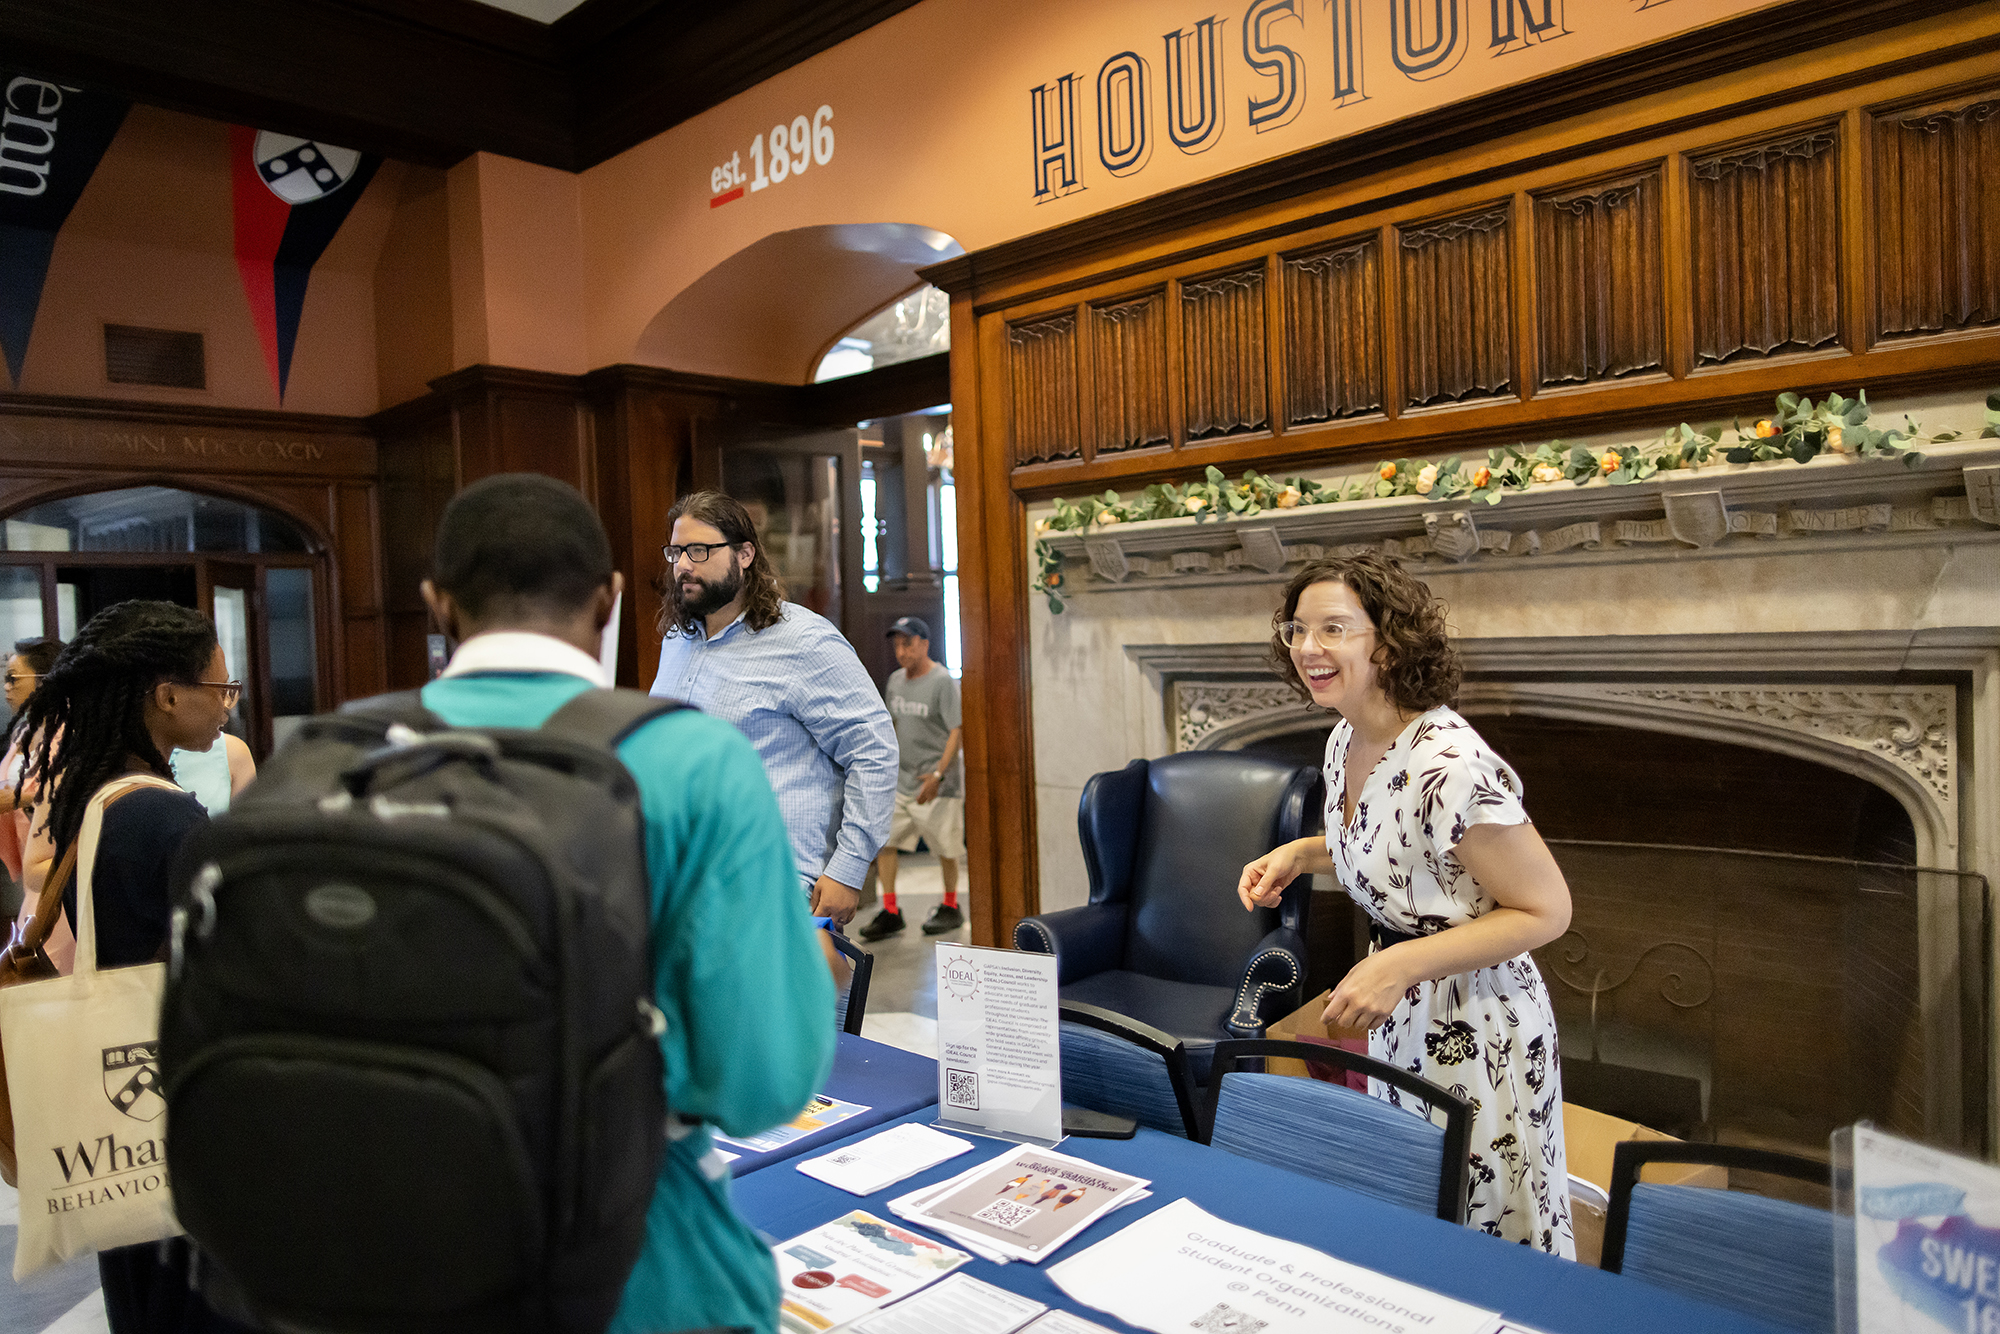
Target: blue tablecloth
<point>888,1081</point>
<point>1556,1296</point>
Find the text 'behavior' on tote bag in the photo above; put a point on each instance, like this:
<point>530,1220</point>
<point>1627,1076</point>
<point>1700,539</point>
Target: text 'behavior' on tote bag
<point>82,1070</point>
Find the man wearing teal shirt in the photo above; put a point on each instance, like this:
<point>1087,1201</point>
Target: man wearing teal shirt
<point>523,580</point>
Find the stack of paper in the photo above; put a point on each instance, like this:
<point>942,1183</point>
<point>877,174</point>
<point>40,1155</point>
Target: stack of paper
<point>961,1304</point>
<point>1022,1205</point>
<point>849,1267</point>
<point>820,1113</point>
<point>880,1161</point>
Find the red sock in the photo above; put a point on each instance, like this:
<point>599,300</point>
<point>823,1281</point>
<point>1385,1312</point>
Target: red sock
<point>951,898</point>
<point>889,901</point>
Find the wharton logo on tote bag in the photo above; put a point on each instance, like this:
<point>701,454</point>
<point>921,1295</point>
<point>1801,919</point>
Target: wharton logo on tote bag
<point>132,1080</point>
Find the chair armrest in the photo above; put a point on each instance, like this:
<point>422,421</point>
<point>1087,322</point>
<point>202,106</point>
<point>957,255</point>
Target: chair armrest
<point>1085,940</point>
<point>1271,981</point>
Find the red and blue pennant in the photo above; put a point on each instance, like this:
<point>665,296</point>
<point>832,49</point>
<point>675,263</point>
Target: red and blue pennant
<point>52,136</point>
<point>291,195</point>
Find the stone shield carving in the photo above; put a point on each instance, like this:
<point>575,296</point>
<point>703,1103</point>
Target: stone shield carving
<point>1453,535</point>
<point>1982,493</point>
<point>1698,518</point>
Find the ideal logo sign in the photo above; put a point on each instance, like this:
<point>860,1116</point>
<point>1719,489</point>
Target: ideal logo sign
<point>1274,56</point>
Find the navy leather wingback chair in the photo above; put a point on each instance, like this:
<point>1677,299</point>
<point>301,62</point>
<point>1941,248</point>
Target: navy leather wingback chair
<point>1164,939</point>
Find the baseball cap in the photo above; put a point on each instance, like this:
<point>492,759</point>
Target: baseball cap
<point>912,626</point>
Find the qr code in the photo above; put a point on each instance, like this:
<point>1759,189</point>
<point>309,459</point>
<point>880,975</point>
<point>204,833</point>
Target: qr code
<point>1226,1319</point>
<point>1006,1213</point>
<point>962,1089</point>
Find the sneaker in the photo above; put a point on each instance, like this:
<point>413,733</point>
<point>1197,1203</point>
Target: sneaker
<point>945,917</point>
<point>886,923</point>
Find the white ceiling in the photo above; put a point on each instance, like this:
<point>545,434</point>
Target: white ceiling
<point>542,11</point>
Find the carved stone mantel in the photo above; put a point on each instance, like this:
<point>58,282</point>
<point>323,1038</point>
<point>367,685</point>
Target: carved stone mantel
<point>1833,503</point>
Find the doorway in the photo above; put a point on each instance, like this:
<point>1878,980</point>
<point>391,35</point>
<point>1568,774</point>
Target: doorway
<point>250,570</point>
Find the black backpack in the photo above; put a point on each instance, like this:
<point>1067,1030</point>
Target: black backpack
<point>408,1044</point>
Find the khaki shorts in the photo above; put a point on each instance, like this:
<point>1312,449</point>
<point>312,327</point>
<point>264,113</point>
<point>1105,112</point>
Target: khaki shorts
<point>941,822</point>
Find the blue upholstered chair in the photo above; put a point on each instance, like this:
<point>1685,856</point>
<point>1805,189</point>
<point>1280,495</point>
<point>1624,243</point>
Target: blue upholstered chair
<point>1341,1135</point>
<point>851,1006</point>
<point>1769,1258</point>
<point>1164,939</point>
<point>1121,1067</point>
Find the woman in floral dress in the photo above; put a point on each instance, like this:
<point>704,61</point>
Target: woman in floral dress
<point>1426,831</point>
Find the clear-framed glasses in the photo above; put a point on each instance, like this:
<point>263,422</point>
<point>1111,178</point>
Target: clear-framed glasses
<point>696,552</point>
<point>1330,636</point>
<point>231,691</point>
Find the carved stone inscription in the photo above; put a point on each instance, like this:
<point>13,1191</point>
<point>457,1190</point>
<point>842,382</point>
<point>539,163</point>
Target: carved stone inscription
<point>46,440</point>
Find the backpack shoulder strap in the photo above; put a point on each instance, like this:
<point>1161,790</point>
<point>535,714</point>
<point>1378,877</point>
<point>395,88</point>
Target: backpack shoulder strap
<point>401,706</point>
<point>606,717</point>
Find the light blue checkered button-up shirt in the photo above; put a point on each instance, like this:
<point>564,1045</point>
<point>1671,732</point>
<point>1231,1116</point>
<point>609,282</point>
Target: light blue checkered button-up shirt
<point>800,694</point>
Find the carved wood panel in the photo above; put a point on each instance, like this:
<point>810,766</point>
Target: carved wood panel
<point>1766,238</point>
<point>1129,373</point>
<point>1223,371</point>
<point>1598,272</point>
<point>1937,219</point>
<point>1333,332</point>
<point>1042,371</point>
<point>1457,307</point>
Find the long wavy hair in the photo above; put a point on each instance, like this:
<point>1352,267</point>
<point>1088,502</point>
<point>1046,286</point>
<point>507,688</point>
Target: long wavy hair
<point>764,592</point>
<point>94,700</point>
<point>1418,666</point>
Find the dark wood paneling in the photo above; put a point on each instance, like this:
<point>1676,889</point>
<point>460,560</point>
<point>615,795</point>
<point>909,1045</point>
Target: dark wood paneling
<point>1224,385</point>
<point>1456,307</point>
<point>1937,218</point>
<point>1599,268</point>
<point>1766,235</point>
<point>1333,332</point>
<point>1128,381</point>
<point>1042,373</point>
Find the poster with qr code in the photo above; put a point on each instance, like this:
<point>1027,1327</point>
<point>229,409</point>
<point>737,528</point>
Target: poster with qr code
<point>999,1054</point>
<point>1027,1204</point>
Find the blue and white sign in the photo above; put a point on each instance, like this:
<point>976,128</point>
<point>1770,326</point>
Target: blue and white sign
<point>1926,1240</point>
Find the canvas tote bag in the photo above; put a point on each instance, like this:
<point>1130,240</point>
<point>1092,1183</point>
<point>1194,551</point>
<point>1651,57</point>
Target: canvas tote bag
<point>82,1069</point>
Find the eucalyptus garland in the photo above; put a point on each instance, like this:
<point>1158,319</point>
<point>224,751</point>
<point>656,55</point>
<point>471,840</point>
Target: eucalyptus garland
<point>1800,430</point>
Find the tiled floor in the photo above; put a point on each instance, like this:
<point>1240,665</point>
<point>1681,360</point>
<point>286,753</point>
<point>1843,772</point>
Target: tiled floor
<point>902,1011</point>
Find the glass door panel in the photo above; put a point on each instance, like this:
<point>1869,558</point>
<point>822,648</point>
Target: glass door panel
<point>233,608</point>
<point>20,604</point>
<point>293,649</point>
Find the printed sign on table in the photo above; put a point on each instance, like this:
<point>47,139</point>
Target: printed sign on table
<point>1926,1252</point>
<point>999,1068</point>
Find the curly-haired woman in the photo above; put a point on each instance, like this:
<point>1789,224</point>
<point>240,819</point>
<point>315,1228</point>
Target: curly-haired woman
<point>1426,831</point>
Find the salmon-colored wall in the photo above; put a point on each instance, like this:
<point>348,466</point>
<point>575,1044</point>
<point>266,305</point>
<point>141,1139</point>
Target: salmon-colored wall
<point>413,299</point>
<point>931,118</point>
<point>151,243</point>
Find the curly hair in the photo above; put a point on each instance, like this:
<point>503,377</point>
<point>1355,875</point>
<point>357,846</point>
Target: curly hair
<point>1419,669</point>
<point>764,592</point>
<point>94,698</point>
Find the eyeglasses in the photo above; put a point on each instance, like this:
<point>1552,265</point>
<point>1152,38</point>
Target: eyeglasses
<point>13,678</point>
<point>231,690</point>
<point>696,552</point>
<point>1298,635</point>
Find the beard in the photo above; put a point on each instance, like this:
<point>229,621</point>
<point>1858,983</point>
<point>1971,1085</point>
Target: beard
<point>708,596</point>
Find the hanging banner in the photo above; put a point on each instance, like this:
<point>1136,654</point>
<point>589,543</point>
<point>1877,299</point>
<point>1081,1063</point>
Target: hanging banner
<point>52,137</point>
<point>290,195</point>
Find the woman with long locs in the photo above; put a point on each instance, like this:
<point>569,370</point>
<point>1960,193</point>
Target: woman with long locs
<point>138,680</point>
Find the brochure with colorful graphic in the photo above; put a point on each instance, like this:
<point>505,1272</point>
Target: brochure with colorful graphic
<point>1925,1254</point>
<point>849,1267</point>
<point>1026,1204</point>
<point>820,1113</point>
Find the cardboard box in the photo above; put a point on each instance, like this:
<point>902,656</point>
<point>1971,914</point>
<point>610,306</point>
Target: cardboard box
<point>1590,1139</point>
<point>1303,1025</point>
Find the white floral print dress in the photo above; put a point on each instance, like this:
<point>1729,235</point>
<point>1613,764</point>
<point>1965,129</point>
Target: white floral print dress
<point>1488,1036</point>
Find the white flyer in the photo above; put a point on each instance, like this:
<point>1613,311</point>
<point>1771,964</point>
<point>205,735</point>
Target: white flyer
<point>849,1267</point>
<point>881,1160</point>
<point>999,1068</point>
<point>1062,1322</point>
<point>961,1304</point>
<point>1926,1250</point>
<point>1181,1268</point>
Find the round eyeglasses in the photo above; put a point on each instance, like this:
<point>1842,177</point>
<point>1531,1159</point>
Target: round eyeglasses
<point>1298,635</point>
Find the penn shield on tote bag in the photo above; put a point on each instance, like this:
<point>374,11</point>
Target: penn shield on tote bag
<point>82,1068</point>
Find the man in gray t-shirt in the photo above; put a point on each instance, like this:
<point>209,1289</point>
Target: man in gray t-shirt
<point>930,785</point>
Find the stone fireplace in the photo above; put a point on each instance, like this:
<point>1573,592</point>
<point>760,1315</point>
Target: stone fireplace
<point>1763,702</point>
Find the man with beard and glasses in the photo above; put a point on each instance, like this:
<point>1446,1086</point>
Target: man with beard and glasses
<point>732,646</point>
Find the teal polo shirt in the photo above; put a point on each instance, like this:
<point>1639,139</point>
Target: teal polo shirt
<point>737,972</point>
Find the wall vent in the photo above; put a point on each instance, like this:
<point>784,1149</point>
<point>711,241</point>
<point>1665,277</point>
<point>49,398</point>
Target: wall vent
<point>168,358</point>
